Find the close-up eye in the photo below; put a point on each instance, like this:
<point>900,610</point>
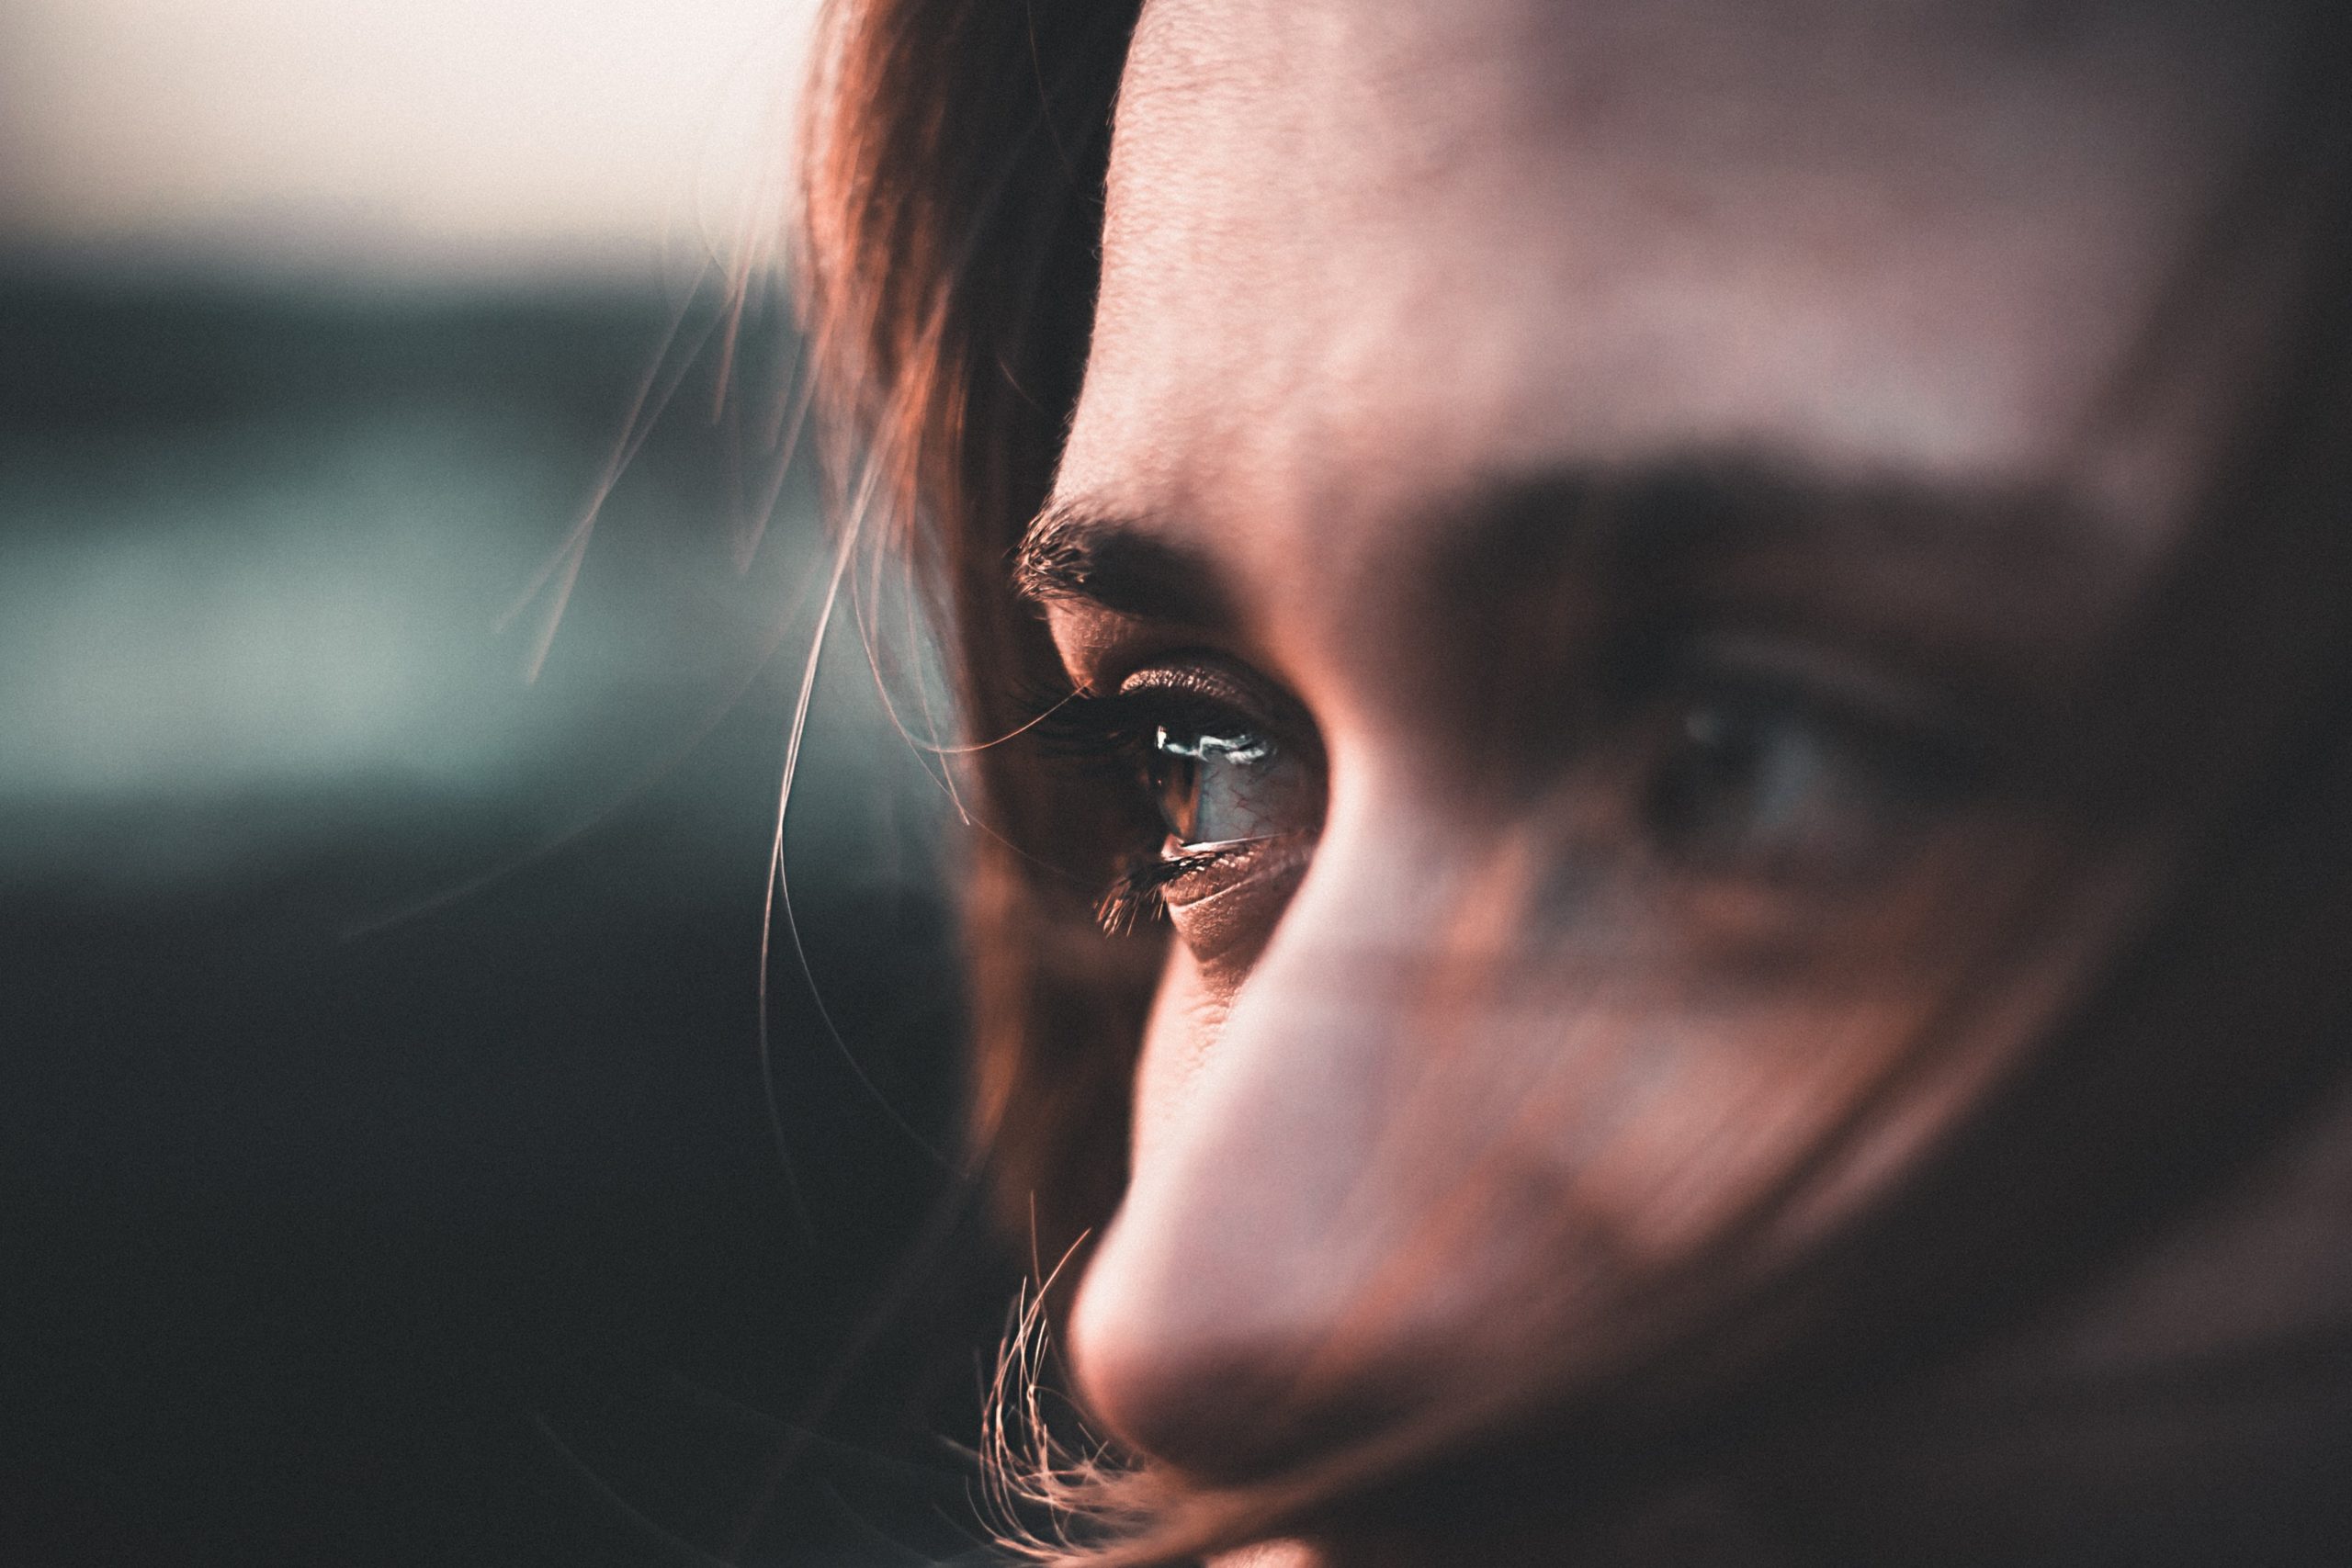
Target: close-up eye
<point>1219,766</point>
<point>1752,779</point>
<point>1211,761</point>
<point>1215,769</point>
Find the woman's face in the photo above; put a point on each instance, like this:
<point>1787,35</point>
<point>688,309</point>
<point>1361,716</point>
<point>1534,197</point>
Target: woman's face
<point>1597,518</point>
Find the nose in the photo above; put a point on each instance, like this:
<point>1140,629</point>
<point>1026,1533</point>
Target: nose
<point>1270,1282</point>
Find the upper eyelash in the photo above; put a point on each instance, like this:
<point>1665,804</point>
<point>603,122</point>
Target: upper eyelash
<point>1118,727</point>
<point>1082,727</point>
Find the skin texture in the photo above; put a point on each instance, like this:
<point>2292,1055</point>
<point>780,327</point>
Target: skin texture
<point>1404,303</point>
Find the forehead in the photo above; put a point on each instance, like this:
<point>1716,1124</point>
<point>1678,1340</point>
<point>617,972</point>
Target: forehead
<point>1357,251</point>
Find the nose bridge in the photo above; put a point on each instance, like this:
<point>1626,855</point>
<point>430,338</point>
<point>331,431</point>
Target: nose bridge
<point>1313,1046</point>
<point>1323,1032</point>
<point>1265,1211</point>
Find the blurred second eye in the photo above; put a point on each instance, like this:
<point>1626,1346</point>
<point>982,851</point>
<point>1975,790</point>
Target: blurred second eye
<point>1768,782</point>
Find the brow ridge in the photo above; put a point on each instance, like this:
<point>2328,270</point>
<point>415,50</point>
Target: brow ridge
<point>1079,552</point>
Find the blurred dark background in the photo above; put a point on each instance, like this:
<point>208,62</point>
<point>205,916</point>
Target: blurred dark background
<point>387,1166</point>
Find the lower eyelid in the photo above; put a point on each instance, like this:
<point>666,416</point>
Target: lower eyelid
<point>1225,846</point>
<point>1224,929</point>
<point>1274,856</point>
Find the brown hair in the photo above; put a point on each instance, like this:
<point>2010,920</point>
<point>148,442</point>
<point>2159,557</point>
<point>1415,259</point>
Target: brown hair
<point>954,159</point>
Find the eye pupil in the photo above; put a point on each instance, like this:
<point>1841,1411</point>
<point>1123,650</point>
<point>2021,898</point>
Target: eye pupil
<point>1175,776</point>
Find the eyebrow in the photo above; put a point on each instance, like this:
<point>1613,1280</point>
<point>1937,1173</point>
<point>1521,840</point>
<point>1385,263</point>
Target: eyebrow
<point>1514,526</point>
<point>1519,533</point>
<point>1076,550</point>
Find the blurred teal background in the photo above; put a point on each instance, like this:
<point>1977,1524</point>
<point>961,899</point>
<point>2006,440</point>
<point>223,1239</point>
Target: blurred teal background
<point>387,1171</point>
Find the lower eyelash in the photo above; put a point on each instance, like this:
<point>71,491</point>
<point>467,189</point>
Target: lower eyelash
<point>1139,895</point>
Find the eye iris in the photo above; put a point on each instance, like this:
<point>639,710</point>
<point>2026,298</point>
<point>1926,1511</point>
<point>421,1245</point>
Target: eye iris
<point>1203,783</point>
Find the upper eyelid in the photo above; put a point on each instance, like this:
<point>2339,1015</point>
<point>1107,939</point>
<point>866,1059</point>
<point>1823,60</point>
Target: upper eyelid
<point>1835,685</point>
<point>1211,678</point>
<point>1081,724</point>
<point>1202,681</point>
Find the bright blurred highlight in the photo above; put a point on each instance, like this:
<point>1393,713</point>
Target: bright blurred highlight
<point>397,136</point>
